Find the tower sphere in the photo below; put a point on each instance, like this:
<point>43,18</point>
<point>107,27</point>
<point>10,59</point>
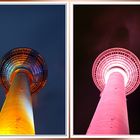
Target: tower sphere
<point>24,60</point>
<point>117,60</point>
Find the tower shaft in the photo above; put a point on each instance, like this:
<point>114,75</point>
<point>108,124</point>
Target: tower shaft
<point>111,113</point>
<point>16,116</point>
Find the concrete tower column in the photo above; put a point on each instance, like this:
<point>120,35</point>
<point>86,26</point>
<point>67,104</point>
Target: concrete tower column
<point>111,113</point>
<point>16,116</point>
<point>116,73</point>
<point>23,72</point>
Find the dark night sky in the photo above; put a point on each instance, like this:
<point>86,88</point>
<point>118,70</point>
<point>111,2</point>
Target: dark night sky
<point>43,29</point>
<point>97,28</point>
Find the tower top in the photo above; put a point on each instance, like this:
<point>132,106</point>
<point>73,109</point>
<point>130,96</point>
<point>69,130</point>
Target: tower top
<point>117,60</point>
<point>25,60</point>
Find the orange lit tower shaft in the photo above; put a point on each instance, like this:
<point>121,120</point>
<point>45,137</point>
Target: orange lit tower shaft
<point>17,115</point>
<point>23,72</point>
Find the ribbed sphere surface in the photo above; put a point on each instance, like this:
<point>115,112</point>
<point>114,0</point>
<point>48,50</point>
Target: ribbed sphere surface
<point>117,58</point>
<point>24,58</point>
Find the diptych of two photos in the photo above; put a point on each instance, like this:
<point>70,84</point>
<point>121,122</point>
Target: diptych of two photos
<point>69,71</point>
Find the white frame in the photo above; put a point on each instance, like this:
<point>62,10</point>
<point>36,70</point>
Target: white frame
<point>88,2</point>
<point>66,4</point>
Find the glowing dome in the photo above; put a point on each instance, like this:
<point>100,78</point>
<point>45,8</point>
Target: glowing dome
<point>28,61</point>
<point>117,60</point>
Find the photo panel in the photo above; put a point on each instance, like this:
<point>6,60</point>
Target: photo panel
<point>33,75</point>
<point>106,70</point>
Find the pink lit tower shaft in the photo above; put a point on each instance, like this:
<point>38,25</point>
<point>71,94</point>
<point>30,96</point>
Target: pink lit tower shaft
<point>116,74</point>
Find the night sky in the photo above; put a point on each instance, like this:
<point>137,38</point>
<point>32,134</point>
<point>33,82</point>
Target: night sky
<point>97,28</point>
<point>41,28</point>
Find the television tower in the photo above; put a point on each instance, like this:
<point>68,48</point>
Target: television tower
<point>23,72</point>
<point>116,73</point>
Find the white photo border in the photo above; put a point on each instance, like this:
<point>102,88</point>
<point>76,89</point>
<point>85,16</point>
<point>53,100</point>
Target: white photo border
<point>66,4</point>
<point>80,3</point>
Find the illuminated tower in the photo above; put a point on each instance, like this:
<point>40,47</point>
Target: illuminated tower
<point>23,72</point>
<point>116,73</point>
